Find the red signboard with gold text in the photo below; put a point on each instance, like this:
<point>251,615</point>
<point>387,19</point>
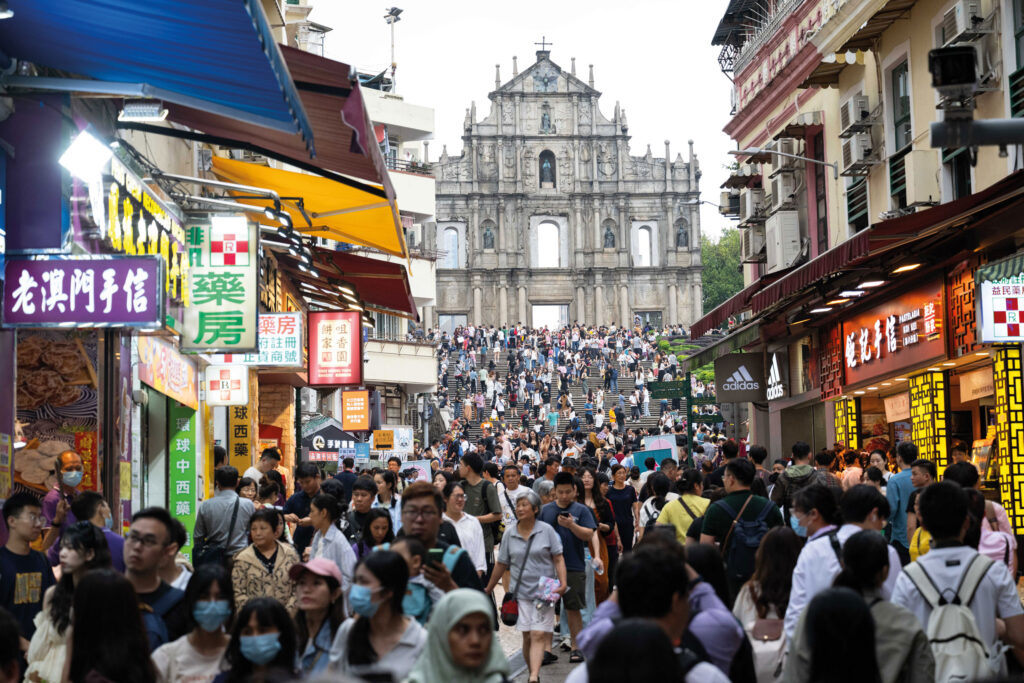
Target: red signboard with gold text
<point>335,349</point>
<point>901,333</point>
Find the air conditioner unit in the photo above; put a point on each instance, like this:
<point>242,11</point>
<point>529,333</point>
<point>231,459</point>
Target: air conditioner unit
<point>853,110</point>
<point>308,400</point>
<point>751,204</point>
<point>786,146</point>
<point>959,19</point>
<point>782,240</point>
<point>753,244</point>
<point>783,187</point>
<point>921,167</point>
<point>856,149</point>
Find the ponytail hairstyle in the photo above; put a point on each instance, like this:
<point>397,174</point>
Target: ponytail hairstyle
<point>865,555</point>
<point>659,485</point>
<point>330,505</point>
<point>689,481</point>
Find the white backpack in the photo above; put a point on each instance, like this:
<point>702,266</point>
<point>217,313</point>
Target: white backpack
<point>960,653</point>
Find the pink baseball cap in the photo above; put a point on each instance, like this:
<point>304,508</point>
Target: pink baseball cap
<point>320,566</point>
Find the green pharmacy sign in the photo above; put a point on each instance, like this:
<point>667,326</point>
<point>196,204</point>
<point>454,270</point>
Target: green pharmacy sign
<point>223,317</point>
<point>182,480</point>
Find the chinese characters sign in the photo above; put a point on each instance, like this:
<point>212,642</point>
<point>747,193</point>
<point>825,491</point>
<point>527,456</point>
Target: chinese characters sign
<point>1001,303</point>
<point>240,437</point>
<point>224,297</point>
<point>167,371</point>
<point>84,292</point>
<point>335,355</point>
<point>280,342</point>
<point>139,224</point>
<point>355,410</point>
<point>898,334</point>
<point>227,385</point>
<point>181,480</point>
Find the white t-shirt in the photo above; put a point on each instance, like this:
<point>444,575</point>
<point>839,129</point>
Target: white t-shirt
<point>179,661</point>
<point>508,512</point>
<point>254,474</point>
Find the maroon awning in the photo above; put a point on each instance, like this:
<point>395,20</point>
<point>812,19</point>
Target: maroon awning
<point>334,104</point>
<point>730,306</point>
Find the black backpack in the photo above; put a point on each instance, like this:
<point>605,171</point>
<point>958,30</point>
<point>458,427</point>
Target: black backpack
<point>743,539</point>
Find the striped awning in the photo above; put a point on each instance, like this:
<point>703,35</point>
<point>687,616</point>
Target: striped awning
<point>1010,267</point>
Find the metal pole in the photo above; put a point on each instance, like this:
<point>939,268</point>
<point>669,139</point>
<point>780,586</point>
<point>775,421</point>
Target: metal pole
<point>687,396</point>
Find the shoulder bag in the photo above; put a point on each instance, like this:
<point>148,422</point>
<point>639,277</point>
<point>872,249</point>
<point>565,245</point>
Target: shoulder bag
<point>510,603</point>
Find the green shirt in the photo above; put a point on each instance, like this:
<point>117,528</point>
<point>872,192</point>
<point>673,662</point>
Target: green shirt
<point>477,506</point>
<point>717,521</point>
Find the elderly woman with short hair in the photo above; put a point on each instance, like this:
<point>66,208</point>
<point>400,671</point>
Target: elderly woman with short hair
<point>531,549</point>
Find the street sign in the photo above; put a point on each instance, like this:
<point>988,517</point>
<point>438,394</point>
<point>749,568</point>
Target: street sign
<point>675,389</point>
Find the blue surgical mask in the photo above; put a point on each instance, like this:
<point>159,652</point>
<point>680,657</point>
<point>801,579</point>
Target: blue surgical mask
<point>108,522</point>
<point>211,614</point>
<point>260,649</point>
<point>361,600</point>
<point>416,602</point>
<point>800,530</point>
<point>73,478</point>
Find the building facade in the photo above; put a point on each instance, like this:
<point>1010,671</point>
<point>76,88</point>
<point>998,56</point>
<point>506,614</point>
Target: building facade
<point>546,217</point>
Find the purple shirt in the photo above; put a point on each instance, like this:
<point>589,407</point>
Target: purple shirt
<point>116,544</point>
<point>50,501</point>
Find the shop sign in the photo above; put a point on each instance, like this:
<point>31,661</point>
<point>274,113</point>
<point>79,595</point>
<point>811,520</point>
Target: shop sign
<point>335,356</point>
<point>227,385</point>
<point>403,440</point>
<point>974,385</point>
<point>224,311</point>
<point>355,410</point>
<point>96,292</point>
<point>240,437</point>
<point>167,371</point>
<point>897,407</point>
<point>778,376</point>
<point>1000,293</point>
<point>383,440</point>
<point>139,223</point>
<point>280,343</point>
<point>739,378</point>
<point>900,333</point>
<point>181,480</point>
<point>322,440</point>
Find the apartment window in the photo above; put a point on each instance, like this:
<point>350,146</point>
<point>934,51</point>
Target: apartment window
<point>857,205</point>
<point>387,326</point>
<point>958,163</point>
<point>817,147</point>
<point>901,105</point>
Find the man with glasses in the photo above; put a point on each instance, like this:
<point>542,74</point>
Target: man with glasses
<point>25,574</point>
<point>448,567</point>
<point>149,543</point>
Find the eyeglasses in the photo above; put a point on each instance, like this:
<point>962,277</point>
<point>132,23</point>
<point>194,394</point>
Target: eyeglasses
<point>149,541</point>
<point>36,520</point>
<point>425,513</point>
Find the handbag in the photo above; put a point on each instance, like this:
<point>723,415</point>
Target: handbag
<point>510,603</point>
<point>217,553</point>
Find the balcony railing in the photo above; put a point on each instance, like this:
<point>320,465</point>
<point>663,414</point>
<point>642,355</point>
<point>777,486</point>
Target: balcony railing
<point>762,33</point>
<point>408,167</point>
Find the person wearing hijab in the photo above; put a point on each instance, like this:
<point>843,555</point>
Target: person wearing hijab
<point>461,647</point>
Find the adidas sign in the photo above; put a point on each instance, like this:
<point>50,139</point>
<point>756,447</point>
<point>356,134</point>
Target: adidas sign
<point>775,387</point>
<point>741,381</point>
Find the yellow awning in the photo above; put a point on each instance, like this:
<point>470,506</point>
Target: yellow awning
<point>330,209</point>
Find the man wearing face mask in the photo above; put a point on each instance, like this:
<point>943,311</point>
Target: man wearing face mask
<point>862,507</point>
<point>57,502</point>
<point>91,506</point>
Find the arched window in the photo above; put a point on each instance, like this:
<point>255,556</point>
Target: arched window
<point>548,245</point>
<point>451,246</point>
<point>487,234</point>
<point>608,234</point>
<point>643,247</point>
<point>546,171</point>
<point>682,234</point>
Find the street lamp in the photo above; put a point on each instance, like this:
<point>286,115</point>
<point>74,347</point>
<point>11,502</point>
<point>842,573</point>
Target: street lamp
<point>694,202</point>
<point>392,18</point>
<point>751,151</point>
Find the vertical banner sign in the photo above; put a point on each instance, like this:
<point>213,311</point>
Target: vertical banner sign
<point>181,480</point>
<point>239,438</point>
<point>224,313</point>
<point>335,349</point>
<point>355,411</point>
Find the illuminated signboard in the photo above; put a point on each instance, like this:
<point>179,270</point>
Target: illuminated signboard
<point>335,349</point>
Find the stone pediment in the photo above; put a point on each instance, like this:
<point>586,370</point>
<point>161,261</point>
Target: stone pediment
<point>544,78</point>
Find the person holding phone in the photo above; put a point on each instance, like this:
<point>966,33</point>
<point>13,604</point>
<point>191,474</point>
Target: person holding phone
<point>448,567</point>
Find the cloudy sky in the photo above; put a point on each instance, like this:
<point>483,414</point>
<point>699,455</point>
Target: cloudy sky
<point>653,56</point>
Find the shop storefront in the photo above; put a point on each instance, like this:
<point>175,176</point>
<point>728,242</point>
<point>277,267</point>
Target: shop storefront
<point>795,410</point>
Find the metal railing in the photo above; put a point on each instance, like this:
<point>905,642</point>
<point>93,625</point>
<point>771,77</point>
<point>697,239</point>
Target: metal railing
<point>408,167</point>
<point>763,33</point>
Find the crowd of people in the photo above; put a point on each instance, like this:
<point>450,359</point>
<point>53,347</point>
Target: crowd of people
<point>741,573</point>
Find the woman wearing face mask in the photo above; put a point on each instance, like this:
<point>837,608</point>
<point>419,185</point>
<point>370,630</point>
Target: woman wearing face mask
<point>461,647</point>
<point>814,512</point>
<point>196,657</point>
<point>82,548</point>
<point>262,646</point>
<point>329,542</point>
<point>381,639</point>
<point>320,611</point>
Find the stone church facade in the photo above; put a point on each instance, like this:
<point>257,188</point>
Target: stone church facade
<point>547,218</point>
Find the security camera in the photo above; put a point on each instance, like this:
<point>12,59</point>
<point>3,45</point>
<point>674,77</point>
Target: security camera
<point>954,72</point>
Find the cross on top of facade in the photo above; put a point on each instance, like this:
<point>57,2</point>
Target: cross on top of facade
<point>543,43</point>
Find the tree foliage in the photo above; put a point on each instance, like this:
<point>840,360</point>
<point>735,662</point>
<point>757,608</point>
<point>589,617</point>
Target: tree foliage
<point>722,276</point>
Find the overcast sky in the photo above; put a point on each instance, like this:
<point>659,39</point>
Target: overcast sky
<point>654,56</point>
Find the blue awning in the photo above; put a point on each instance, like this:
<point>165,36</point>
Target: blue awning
<point>214,55</point>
